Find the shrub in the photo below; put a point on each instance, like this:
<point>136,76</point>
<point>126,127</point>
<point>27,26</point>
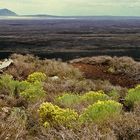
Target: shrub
<point>133,96</point>
<point>37,76</point>
<point>125,65</point>
<point>8,85</point>
<point>73,100</point>
<point>101,111</point>
<point>23,85</point>
<point>92,97</point>
<point>33,91</point>
<point>68,100</point>
<point>52,115</point>
<point>30,91</point>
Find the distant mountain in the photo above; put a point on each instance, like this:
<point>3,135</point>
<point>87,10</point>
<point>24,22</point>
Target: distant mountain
<point>6,12</point>
<point>86,17</point>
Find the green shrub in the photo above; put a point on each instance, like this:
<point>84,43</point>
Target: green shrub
<point>52,115</point>
<point>68,100</point>
<point>133,96</point>
<point>8,85</point>
<point>32,91</point>
<point>92,97</point>
<point>23,85</point>
<point>101,111</point>
<point>37,76</point>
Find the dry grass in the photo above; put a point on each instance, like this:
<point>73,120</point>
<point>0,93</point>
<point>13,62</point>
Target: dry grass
<point>12,125</point>
<point>127,127</point>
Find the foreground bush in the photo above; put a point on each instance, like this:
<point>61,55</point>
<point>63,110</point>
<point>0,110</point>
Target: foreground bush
<point>32,91</point>
<point>133,96</point>
<point>28,90</point>
<point>8,85</point>
<point>101,111</point>
<point>52,115</point>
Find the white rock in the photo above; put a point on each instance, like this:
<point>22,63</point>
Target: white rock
<point>6,63</point>
<point>54,78</point>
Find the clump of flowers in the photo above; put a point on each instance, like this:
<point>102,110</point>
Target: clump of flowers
<point>37,76</point>
<point>92,97</point>
<point>101,111</point>
<point>52,115</point>
<point>133,96</point>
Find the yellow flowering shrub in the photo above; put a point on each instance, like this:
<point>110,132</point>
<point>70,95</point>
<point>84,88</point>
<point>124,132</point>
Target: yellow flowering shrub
<point>52,115</point>
<point>101,111</point>
<point>133,96</point>
<point>32,91</point>
<point>37,76</point>
<point>92,97</point>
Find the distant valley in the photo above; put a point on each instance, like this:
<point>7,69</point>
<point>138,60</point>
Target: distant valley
<point>70,38</point>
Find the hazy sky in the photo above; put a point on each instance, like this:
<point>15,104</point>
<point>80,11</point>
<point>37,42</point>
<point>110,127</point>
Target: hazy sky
<point>74,7</point>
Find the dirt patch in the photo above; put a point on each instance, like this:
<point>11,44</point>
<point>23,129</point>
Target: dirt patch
<point>101,72</point>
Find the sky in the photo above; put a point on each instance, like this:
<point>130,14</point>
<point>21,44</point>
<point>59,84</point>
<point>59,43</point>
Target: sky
<point>73,7</point>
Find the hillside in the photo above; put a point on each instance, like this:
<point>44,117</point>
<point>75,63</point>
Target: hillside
<point>123,71</point>
<point>7,12</point>
<point>49,99</point>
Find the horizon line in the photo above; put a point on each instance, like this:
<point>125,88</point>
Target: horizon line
<point>45,14</point>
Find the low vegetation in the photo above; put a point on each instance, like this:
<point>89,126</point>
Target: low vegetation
<point>133,96</point>
<point>48,99</point>
<point>101,111</point>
